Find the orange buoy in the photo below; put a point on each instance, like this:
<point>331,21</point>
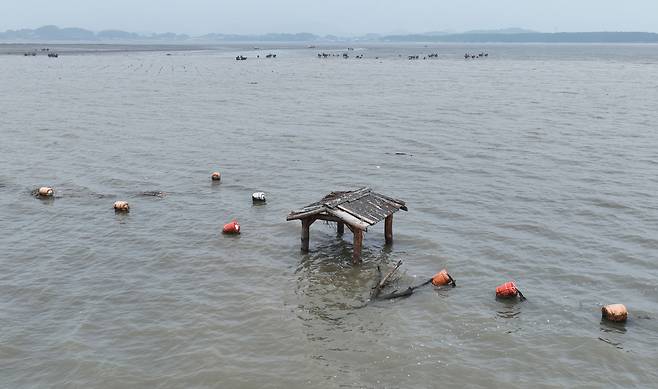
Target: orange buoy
<point>231,228</point>
<point>509,290</point>
<point>45,191</point>
<point>614,312</point>
<point>121,206</point>
<point>443,278</point>
<point>216,176</point>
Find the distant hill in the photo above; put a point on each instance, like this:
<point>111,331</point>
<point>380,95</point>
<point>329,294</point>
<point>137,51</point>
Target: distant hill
<point>532,37</point>
<point>512,30</point>
<point>54,33</point>
<point>509,35</point>
<point>298,37</point>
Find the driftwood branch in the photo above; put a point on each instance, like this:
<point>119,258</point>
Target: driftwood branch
<point>375,289</point>
<point>383,281</point>
<point>388,275</point>
<point>405,293</point>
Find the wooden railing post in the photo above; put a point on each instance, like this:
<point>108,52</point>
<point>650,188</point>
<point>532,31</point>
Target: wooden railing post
<point>340,228</point>
<point>358,242</point>
<point>388,229</point>
<point>306,224</point>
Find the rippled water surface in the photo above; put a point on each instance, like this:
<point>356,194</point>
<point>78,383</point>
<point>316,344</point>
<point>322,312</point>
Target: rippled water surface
<point>537,164</point>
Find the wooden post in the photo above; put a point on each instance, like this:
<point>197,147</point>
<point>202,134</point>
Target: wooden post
<point>340,228</point>
<point>388,229</point>
<point>306,224</point>
<point>358,242</point>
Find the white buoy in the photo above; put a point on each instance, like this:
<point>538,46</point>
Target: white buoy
<point>46,191</point>
<point>121,206</point>
<point>258,197</point>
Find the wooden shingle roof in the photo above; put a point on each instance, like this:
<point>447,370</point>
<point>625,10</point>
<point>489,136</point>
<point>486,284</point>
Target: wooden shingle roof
<point>360,208</point>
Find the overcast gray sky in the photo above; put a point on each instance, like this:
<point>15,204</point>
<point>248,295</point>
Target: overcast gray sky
<point>331,16</point>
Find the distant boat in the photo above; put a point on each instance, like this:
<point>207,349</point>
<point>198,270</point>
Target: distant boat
<point>310,47</point>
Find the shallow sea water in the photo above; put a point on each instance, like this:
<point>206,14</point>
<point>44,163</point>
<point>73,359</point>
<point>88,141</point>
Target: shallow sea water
<point>537,164</point>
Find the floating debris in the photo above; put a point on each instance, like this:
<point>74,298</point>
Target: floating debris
<point>617,345</point>
<point>153,194</point>
<point>440,279</point>
<point>216,176</point>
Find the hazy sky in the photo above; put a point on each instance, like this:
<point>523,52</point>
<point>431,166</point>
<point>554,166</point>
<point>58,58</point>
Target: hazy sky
<point>332,16</point>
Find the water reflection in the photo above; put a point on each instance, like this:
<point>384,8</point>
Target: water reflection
<point>329,287</point>
<point>509,309</point>
<point>612,327</point>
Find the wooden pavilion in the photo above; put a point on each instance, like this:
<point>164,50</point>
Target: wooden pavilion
<point>358,209</point>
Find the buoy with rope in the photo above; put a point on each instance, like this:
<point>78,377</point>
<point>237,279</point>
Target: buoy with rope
<point>509,290</point>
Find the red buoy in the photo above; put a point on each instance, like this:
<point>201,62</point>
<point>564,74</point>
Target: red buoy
<point>442,278</point>
<point>508,290</point>
<point>232,228</point>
